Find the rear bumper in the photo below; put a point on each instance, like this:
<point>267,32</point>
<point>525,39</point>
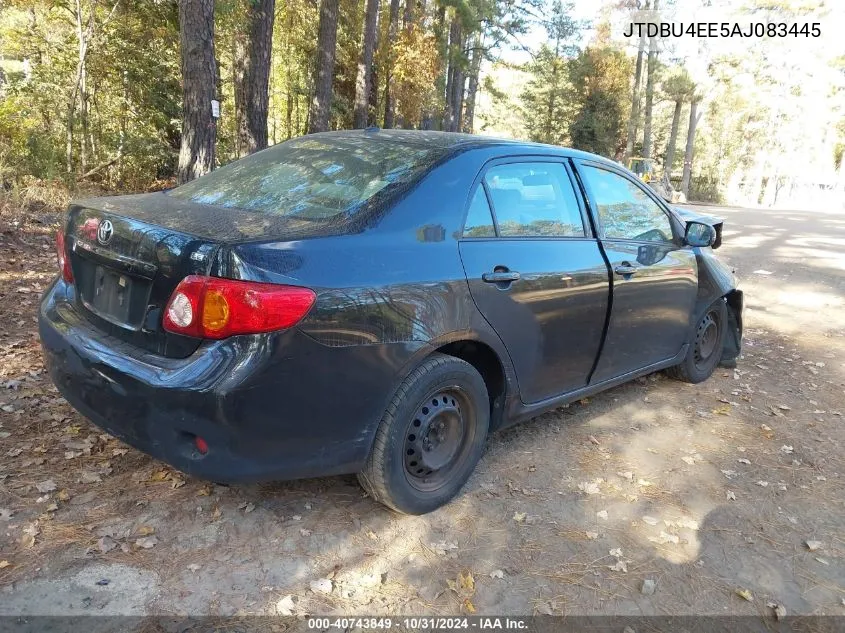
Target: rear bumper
<point>271,407</point>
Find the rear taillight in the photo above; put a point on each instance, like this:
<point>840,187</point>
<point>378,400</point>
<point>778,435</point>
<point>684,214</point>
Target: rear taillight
<point>211,307</point>
<point>62,258</point>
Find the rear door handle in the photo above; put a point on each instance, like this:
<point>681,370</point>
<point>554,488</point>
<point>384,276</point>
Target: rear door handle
<point>625,269</point>
<point>500,277</point>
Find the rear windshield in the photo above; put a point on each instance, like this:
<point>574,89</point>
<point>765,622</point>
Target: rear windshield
<point>312,177</point>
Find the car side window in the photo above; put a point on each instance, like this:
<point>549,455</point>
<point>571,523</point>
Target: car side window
<point>479,222</point>
<point>625,211</point>
<point>534,200</point>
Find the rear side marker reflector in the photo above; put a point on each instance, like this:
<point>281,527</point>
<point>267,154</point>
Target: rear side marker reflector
<point>215,308</point>
<point>201,444</point>
<point>62,258</point>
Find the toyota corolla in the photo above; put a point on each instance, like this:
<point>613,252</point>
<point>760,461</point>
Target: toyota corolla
<point>376,302</point>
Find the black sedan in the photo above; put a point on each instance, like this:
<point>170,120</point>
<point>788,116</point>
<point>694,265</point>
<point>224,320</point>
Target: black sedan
<point>377,303</point>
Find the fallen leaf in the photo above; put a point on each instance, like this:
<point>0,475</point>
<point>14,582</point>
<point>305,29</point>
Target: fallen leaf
<point>63,495</point>
<point>745,594</point>
<point>285,606</point>
<point>470,608</point>
<point>52,507</point>
<point>602,514</point>
<point>443,548</point>
<point>4,564</point>
<point>177,482</point>
<point>814,545</point>
<point>649,520</point>
<point>763,484</point>
<point>145,530</point>
<point>592,535</point>
<point>106,544</point>
<point>743,460</point>
<point>497,573</point>
<point>664,538</point>
<point>616,551</point>
<point>147,542</point>
<point>88,477</point>
<point>780,612</point>
<point>519,517</point>
<point>304,532</point>
<point>6,514</point>
<point>589,487</point>
<point>46,486</point>
<point>730,495</point>
<point>321,585</point>
<point>620,565</point>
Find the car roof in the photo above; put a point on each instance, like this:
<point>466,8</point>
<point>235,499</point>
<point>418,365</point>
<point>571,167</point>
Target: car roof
<point>460,141</point>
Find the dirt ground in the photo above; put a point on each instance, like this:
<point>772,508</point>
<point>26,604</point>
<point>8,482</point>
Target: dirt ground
<point>654,498</point>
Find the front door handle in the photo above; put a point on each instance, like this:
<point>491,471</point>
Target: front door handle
<point>625,270</point>
<point>500,276</point>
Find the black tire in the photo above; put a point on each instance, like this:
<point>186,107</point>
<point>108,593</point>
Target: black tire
<point>430,438</point>
<point>706,345</point>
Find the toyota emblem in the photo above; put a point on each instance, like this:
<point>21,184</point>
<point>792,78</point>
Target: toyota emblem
<point>104,232</point>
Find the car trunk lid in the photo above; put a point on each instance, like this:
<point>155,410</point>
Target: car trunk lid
<point>126,268</point>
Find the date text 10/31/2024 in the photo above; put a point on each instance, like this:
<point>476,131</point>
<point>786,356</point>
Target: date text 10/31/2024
<point>419,623</point>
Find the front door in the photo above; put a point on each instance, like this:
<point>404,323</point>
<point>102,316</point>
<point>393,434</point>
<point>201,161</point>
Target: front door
<point>537,274</point>
<point>655,280</point>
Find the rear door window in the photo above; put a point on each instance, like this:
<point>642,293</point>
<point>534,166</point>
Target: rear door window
<point>479,222</point>
<point>534,200</point>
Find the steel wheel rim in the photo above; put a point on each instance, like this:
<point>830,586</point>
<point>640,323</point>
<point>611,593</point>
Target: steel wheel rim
<point>437,438</point>
<point>706,339</point>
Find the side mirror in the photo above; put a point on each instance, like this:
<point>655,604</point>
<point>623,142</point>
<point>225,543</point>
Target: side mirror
<point>699,234</point>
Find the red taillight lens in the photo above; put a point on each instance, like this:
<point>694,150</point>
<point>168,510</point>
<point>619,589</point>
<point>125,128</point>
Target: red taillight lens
<point>62,258</point>
<point>210,307</point>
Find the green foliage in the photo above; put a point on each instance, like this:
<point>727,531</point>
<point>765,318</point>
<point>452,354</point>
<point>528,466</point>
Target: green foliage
<point>599,78</point>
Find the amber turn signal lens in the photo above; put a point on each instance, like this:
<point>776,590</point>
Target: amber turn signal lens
<point>215,314</point>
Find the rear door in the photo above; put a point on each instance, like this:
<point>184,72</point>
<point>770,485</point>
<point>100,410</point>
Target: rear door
<point>536,272</point>
<point>655,279</point>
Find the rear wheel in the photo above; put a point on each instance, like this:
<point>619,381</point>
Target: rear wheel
<point>705,351</point>
<point>430,438</point>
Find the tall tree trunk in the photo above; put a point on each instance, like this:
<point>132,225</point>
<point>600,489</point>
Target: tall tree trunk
<point>633,120</point>
<point>363,82</point>
<point>472,89</point>
<point>253,46</point>
<point>82,35</point>
<point>320,112</point>
<point>649,92</point>
<point>454,82</point>
<point>389,97</point>
<point>427,121</point>
<point>408,15</point>
<point>199,88</point>
<point>673,138</point>
<point>693,121</point>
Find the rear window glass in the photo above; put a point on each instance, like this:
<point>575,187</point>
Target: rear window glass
<point>312,177</point>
